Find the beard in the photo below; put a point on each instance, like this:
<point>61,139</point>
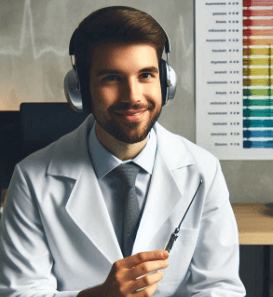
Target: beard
<point>119,130</point>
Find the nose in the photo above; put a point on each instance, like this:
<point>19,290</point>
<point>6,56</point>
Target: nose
<point>131,91</point>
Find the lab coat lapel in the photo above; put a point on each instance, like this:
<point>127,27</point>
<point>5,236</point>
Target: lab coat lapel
<point>87,208</point>
<point>85,205</point>
<point>170,183</point>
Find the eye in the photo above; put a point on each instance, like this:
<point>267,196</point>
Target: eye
<point>146,75</point>
<point>110,78</point>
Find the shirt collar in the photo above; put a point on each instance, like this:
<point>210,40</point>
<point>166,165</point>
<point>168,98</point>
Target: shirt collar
<point>104,161</point>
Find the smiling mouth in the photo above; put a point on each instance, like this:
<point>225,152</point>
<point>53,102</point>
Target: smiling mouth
<point>130,112</point>
<point>131,115</point>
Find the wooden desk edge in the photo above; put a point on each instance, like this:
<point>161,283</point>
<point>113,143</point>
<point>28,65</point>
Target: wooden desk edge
<point>258,213</point>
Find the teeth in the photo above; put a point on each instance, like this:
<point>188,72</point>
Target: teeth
<point>134,114</point>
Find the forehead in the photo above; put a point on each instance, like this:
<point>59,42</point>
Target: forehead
<point>123,56</point>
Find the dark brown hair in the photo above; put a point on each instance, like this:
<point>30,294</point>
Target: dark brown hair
<point>122,24</point>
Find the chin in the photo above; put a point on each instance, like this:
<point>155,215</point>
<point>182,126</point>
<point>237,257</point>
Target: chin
<point>131,139</point>
<point>127,137</point>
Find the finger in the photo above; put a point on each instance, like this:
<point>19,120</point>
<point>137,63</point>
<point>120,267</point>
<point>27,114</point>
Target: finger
<point>144,257</point>
<point>146,267</point>
<point>149,291</point>
<point>147,280</point>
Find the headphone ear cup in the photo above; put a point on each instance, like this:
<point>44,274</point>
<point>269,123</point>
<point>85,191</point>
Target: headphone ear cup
<point>72,90</point>
<point>168,81</point>
<point>163,80</point>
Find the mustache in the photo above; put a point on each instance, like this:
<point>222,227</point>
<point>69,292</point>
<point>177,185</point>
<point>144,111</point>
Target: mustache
<point>128,106</point>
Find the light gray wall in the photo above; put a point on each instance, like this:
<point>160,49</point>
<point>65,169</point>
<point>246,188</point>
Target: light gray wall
<point>34,38</point>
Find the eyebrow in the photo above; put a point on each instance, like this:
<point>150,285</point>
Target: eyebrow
<point>113,71</point>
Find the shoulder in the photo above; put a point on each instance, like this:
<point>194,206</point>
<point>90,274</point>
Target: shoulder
<point>62,152</point>
<point>39,160</point>
<point>179,149</point>
<point>184,158</point>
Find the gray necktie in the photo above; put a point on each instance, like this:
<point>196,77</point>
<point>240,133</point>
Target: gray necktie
<point>131,212</point>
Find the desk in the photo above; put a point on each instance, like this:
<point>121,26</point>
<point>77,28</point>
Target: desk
<point>255,224</point>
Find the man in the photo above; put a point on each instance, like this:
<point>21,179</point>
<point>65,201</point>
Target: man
<point>63,226</point>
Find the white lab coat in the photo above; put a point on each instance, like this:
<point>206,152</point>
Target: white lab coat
<point>57,237</point>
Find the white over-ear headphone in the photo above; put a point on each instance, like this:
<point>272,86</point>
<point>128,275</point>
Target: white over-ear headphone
<point>73,81</point>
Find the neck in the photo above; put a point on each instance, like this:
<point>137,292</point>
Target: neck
<point>123,151</point>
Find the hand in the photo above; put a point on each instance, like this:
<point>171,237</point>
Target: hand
<point>123,279</point>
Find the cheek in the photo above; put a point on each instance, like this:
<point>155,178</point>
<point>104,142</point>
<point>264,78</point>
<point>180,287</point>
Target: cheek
<point>154,92</point>
<point>104,97</point>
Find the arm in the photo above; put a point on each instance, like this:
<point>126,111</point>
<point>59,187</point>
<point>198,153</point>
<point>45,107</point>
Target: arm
<point>25,259</point>
<point>215,264</point>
